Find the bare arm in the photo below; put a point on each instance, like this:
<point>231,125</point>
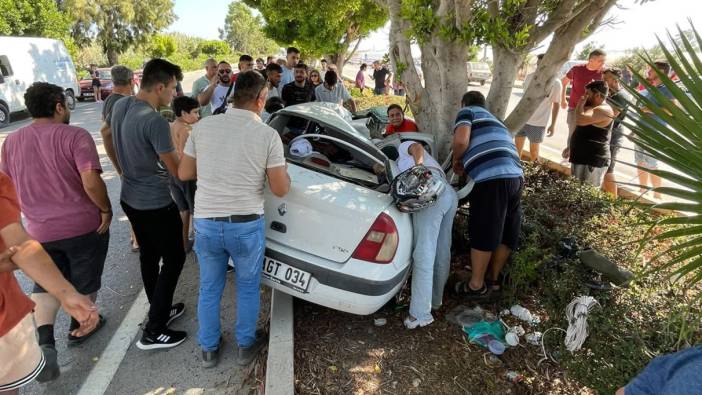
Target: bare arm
<point>278,180</point>
<point>205,96</point>
<point>106,133</point>
<point>96,190</point>
<point>170,159</point>
<point>352,105</point>
<point>594,116</point>
<point>565,81</point>
<point>417,152</point>
<point>461,141</point>
<point>36,263</point>
<point>187,169</point>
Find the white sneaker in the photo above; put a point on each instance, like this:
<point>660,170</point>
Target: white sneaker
<point>414,323</point>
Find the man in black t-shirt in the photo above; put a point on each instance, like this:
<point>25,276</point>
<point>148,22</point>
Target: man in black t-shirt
<point>619,100</point>
<point>298,91</point>
<point>380,76</point>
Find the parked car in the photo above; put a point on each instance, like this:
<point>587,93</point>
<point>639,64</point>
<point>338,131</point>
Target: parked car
<point>479,72</point>
<point>336,239</point>
<point>86,84</point>
<point>25,60</point>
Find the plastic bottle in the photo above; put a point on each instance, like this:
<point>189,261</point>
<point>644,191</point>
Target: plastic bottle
<point>521,313</point>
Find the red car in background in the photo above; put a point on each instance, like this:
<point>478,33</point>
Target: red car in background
<point>86,84</point>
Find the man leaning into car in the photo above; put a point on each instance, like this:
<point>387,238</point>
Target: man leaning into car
<point>231,155</point>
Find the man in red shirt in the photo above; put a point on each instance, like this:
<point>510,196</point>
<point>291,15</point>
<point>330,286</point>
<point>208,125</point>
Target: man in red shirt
<point>22,359</point>
<point>397,121</point>
<point>579,76</point>
<point>246,63</point>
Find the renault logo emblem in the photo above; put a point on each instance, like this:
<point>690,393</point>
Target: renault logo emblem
<point>282,209</point>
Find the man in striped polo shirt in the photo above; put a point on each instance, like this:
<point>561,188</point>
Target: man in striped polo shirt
<point>484,151</point>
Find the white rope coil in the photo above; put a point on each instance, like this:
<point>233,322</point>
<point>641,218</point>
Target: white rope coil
<point>576,313</point>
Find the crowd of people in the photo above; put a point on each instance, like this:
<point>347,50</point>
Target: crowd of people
<point>209,167</point>
<point>596,106</point>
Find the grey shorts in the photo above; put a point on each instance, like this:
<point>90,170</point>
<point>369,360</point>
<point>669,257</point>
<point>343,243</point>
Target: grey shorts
<point>589,174</point>
<point>535,134</point>
<point>643,159</point>
<point>80,259</point>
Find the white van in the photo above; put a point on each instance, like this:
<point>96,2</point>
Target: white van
<point>25,60</point>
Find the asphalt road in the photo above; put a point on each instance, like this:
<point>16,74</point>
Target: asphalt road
<point>130,370</point>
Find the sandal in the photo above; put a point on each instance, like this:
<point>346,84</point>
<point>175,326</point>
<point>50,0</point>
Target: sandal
<point>76,340</point>
<point>462,289</point>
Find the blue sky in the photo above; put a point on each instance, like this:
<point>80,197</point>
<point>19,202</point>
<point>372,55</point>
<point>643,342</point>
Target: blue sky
<point>638,23</point>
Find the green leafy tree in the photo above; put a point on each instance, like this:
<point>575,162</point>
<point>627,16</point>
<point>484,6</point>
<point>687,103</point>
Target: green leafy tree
<point>215,48</point>
<point>243,32</point>
<point>161,46</point>
<point>321,28</point>
<point>117,25</point>
<point>40,18</point>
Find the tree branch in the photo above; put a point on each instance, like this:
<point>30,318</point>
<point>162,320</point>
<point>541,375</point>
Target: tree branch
<point>558,17</point>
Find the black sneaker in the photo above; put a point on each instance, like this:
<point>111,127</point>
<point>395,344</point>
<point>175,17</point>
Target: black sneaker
<point>165,339</point>
<point>176,311</point>
<point>210,358</point>
<point>51,369</point>
<point>76,340</point>
<point>246,355</point>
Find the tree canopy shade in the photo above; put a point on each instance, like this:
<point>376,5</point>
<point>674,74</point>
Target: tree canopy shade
<point>33,18</point>
<point>118,24</point>
<point>321,28</point>
<point>243,32</point>
<point>445,29</point>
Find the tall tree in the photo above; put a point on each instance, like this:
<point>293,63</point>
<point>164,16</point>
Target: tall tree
<point>321,28</point>
<point>118,24</point>
<point>444,29</point>
<point>242,31</point>
<point>40,18</point>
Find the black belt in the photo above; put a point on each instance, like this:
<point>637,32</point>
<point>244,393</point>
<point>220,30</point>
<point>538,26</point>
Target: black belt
<point>237,218</point>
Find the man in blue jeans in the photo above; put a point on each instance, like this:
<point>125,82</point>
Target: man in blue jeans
<point>231,155</point>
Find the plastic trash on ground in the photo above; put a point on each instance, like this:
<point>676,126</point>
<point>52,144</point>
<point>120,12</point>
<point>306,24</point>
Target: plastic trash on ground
<point>484,332</point>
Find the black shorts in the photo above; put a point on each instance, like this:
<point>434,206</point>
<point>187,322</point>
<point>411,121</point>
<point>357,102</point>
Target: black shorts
<point>96,82</point>
<point>495,213</point>
<point>80,259</point>
<point>183,193</point>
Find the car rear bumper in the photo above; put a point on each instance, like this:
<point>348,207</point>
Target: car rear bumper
<point>341,291</point>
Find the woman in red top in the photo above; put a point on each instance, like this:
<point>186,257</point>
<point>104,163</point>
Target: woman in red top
<point>22,359</point>
<point>397,122</point>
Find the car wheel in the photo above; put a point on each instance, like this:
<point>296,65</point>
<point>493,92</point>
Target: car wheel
<point>4,115</point>
<point>70,99</point>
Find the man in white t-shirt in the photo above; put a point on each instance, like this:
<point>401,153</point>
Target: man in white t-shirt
<point>334,92</point>
<point>232,155</point>
<point>432,240</point>
<point>535,128</point>
<point>291,60</point>
<point>221,87</point>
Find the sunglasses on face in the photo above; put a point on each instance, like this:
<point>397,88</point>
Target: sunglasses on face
<point>228,71</point>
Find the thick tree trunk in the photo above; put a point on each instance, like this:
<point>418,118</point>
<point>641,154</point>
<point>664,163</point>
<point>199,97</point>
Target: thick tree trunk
<point>436,102</point>
<point>112,56</point>
<point>506,64</point>
<point>564,40</point>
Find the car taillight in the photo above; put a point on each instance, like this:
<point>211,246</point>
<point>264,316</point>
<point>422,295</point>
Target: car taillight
<point>380,243</point>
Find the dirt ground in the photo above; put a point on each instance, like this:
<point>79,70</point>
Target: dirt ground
<point>337,353</point>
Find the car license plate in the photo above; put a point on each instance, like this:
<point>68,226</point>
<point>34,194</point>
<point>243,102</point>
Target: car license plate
<point>88,94</point>
<point>285,274</point>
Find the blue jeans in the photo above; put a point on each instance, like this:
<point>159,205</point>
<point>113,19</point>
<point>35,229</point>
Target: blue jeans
<point>432,254</point>
<point>215,243</point>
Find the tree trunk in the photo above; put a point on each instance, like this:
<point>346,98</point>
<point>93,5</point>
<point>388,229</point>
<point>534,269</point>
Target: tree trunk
<point>112,56</point>
<point>506,64</point>
<point>564,40</point>
<point>435,103</point>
